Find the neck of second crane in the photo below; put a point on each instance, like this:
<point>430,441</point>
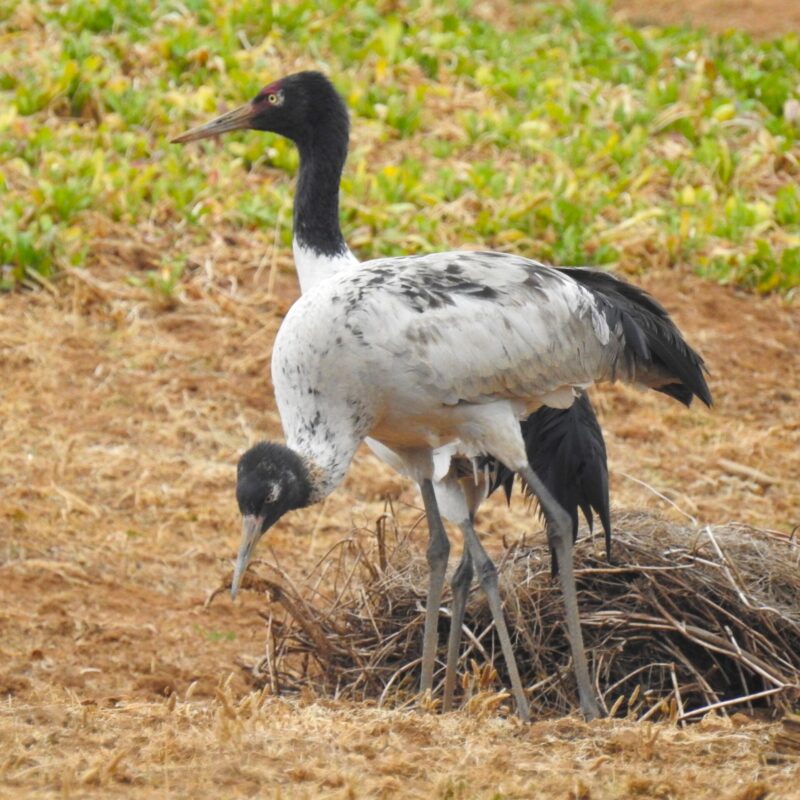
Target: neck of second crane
<point>326,450</point>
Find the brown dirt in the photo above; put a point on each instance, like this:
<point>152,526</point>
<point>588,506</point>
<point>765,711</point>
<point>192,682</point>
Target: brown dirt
<point>761,18</point>
<point>122,421</point>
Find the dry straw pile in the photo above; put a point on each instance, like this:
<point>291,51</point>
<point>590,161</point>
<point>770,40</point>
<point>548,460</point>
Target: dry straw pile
<point>684,621</point>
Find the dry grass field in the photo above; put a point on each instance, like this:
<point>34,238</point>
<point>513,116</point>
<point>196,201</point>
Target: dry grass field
<point>762,18</point>
<point>122,414</point>
<point>122,421</point>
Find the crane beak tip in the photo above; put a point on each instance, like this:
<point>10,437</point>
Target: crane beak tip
<point>195,135</point>
<point>251,533</point>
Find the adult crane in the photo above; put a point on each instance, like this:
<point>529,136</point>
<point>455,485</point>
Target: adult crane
<point>565,445</point>
<point>423,378</point>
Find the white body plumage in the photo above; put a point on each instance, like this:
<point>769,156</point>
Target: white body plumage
<point>435,357</point>
<point>313,267</point>
<point>392,351</point>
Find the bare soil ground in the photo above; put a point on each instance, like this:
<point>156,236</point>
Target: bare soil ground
<point>761,18</point>
<point>122,419</point>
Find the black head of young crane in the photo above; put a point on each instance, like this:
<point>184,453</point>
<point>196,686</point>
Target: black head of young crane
<point>270,481</point>
<point>645,347</point>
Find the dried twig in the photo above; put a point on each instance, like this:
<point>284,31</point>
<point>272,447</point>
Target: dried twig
<point>698,624</point>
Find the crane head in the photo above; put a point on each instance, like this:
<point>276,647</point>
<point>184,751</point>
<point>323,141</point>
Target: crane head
<point>297,107</point>
<point>270,480</point>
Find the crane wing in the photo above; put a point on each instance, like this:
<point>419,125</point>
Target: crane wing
<point>470,327</point>
<point>423,332</point>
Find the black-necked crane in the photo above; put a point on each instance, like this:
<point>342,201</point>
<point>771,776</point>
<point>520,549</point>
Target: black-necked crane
<point>433,357</point>
<point>566,444</point>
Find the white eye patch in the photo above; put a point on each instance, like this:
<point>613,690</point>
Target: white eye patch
<point>274,492</point>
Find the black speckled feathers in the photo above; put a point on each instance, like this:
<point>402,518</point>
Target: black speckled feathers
<point>438,289</point>
<point>539,328</point>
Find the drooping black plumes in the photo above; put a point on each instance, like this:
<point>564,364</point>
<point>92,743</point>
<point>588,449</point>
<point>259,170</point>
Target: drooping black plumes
<point>662,358</point>
<point>566,449</point>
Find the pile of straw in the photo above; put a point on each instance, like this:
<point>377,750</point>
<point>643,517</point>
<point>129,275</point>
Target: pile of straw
<point>685,620</point>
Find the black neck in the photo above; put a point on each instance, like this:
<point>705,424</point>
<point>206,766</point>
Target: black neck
<point>316,202</point>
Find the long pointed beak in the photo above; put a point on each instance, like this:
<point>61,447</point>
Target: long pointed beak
<point>232,121</point>
<point>251,533</point>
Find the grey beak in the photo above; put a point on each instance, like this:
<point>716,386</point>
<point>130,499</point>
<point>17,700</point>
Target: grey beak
<point>234,120</point>
<point>251,533</point>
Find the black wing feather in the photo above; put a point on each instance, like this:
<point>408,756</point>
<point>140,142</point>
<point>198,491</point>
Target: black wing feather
<point>656,343</point>
<point>565,447</point>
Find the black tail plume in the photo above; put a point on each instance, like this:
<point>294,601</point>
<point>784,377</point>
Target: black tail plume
<point>661,355</point>
<point>566,450</point>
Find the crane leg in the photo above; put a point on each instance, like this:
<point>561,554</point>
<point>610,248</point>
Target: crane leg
<point>487,577</point>
<point>559,532</point>
<point>437,554</point>
<point>459,583</point>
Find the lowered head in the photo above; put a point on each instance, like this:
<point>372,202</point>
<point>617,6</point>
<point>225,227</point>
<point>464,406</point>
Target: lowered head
<point>270,480</point>
<point>298,107</point>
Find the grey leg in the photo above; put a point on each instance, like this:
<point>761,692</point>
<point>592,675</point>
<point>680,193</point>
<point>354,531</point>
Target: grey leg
<point>559,532</point>
<point>487,577</point>
<point>459,583</point>
<point>437,553</point>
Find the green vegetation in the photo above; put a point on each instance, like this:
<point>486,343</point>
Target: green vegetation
<point>215,636</point>
<point>553,131</point>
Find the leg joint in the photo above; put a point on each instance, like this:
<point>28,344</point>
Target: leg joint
<point>438,550</point>
<point>463,575</point>
<point>487,573</point>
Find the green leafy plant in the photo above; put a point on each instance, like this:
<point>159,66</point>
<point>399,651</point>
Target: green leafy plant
<point>163,282</point>
<point>562,134</point>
